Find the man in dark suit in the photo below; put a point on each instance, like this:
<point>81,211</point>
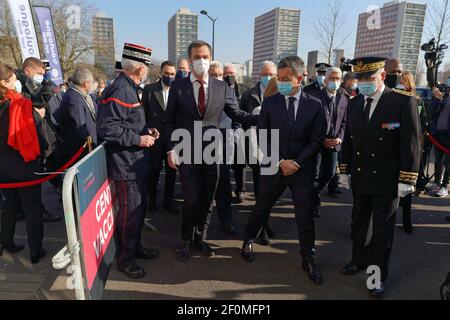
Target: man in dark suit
<point>381,151</point>
<point>79,112</point>
<point>334,104</point>
<point>300,121</point>
<point>154,100</point>
<point>196,103</point>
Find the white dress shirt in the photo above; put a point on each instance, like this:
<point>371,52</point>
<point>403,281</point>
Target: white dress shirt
<point>296,103</point>
<point>376,98</point>
<point>166,91</point>
<point>196,86</point>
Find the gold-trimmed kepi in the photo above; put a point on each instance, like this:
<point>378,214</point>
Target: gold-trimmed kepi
<point>367,66</point>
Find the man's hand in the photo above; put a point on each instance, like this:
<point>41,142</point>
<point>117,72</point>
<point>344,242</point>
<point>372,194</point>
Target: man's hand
<point>332,143</point>
<point>147,141</point>
<point>288,168</point>
<point>173,160</point>
<point>405,189</point>
<point>437,94</point>
<point>154,133</point>
<point>41,112</point>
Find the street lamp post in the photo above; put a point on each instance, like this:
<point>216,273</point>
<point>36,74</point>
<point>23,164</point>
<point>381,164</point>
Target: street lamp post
<point>204,12</point>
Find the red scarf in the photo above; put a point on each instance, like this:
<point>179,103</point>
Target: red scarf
<point>22,135</point>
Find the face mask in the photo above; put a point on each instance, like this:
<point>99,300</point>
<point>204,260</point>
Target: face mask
<point>354,86</point>
<point>230,80</point>
<point>401,87</point>
<point>265,81</point>
<point>334,86</point>
<point>167,80</point>
<point>18,86</point>
<point>305,81</point>
<point>201,67</point>
<point>321,80</point>
<point>392,81</point>
<point>38,78</point>
<point>181,74</point>
<point>285,88</point>
<point>367,88</point>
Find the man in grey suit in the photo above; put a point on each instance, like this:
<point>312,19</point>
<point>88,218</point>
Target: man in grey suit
<point>198,100</point>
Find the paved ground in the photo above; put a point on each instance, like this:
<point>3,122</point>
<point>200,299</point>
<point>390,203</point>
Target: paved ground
<point>419,263</point>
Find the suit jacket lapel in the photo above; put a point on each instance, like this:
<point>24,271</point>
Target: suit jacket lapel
<point>300,113</point>
<point>375,120</point>
<point>190,93</point>
<point>211,89</point>
<point>159,96</point>
<point>283,111</point>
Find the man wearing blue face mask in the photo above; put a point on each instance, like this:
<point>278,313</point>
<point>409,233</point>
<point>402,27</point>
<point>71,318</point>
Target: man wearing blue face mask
<point>381,152</point>
<point>183,69</point>
<point>154,100</point>
<point>300,121</point>
<point>316,87</point>
<point>334,104</point>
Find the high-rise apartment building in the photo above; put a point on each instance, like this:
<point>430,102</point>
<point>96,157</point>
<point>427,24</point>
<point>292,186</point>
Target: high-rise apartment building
<point>182,30</point>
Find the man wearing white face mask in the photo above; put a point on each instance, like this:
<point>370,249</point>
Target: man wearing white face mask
<point>198,99</point>
<point>334,105</point>
<point>381,152</point>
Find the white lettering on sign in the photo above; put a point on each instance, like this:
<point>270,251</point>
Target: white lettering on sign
<point>105,217</point>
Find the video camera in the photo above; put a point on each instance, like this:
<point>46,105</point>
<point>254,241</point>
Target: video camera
<point>434,57</point>
<point>346,66</point>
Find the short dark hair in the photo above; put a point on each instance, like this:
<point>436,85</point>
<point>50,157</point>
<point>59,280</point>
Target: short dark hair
<point>167,64</point>
<point>198,44</point>
<point>296,64</point>
<point>32,62</point>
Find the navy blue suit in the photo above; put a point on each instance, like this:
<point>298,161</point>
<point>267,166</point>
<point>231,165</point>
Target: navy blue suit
<point>300,142</point>
<point>199,180</point>
<point>77,121</point>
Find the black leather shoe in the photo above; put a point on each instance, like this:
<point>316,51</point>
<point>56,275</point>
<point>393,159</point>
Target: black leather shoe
<point>351,269</point>
<point>146,254</point>
<point>229,229</point>
<point>49,218</point>
<point>378,293</point>
<point>247,252</point>
<point>12,249</point>
<point>37,256</point>
<point>263,238</point>
<point>407,225</point>
<point>203,247</point>
<point>132,271</point>
<point>185,253</point>
<point>313,272</point>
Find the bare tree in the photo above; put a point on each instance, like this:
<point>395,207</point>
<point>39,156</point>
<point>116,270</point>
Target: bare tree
<point>330,30</point>
<point>439,21</point>
<point>75,44</point>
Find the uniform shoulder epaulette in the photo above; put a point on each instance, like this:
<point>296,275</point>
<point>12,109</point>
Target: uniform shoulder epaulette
<point>404,93</point>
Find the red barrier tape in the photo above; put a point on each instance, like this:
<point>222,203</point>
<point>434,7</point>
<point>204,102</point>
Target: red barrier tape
<point>48,178</point>
<point>437,144</point>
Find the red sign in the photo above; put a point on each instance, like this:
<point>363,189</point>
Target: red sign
<point>97,227</point>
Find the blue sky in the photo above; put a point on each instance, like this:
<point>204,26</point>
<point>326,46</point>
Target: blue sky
<point>145,22</point>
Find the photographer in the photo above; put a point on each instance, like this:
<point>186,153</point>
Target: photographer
<point>22,146</point>
<point>440,129</point>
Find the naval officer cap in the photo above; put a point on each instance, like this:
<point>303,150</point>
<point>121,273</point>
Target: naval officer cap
<point>322,67</point>
<point>137,53</point>
<point>366,67</point>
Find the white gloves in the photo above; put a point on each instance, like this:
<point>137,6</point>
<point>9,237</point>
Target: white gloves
<point>405,189</point>
<point>344,181</point>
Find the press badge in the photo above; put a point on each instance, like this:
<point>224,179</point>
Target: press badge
<point>390,126</point>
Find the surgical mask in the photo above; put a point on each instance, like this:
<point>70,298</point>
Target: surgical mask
<point>392,81</point>
<point>167,80</point>
<point>181,74</point>
<point>201,67</point>
<point>38,78</point>
<point>18,86</point>
<point>367,89</point>
<point>334,86</point>
<point>265,81</point>
<point>230,80</point>
<point>285,88</point>
<point>321,80</point>
<point>354,86</point>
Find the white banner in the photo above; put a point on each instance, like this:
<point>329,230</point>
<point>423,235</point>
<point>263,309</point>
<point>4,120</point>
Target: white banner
<point>23,21</point>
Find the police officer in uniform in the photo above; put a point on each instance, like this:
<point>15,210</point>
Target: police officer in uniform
<point>121,122</point>
<point>381,152</point>
<point>315,88</point>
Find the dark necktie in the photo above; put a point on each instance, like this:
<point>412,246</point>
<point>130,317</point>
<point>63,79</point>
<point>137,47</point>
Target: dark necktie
<point>367,110</point>
<point>291,111</point>
<point>201,98</point>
